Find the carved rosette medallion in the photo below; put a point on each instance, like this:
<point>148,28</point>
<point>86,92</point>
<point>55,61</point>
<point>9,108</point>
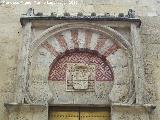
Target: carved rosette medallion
<point>80,77</point>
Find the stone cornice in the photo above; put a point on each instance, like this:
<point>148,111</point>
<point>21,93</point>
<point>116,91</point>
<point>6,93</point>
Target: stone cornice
<point>25,19</point>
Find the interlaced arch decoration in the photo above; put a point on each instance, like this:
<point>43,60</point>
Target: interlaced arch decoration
<point>119,42</point>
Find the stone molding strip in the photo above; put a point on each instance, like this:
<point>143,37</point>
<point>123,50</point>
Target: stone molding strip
<point>148,107</point>
<point>24,20</point>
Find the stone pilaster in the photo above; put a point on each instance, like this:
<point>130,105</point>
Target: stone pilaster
<point>22,72</point>
<point>137,63</point>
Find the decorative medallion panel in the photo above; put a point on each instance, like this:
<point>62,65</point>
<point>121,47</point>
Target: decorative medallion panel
<point>80,76</point>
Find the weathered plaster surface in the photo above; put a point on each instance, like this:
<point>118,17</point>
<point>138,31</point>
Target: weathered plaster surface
<point>129,113</point>
<point>10,41</point>
<point>28,113</point>
<point>41,63</point>
<point>150,39</point>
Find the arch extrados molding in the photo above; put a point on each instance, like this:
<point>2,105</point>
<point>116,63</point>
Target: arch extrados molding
<point>116,36</point>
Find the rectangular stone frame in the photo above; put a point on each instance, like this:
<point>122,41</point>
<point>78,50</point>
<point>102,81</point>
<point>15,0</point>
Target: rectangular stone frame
<point>133,24</point>
<point>30,22</point>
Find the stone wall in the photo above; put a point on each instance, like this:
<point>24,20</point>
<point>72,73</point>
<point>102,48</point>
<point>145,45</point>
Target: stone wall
<point>28,113</point>
<point>142,7</point>
<point>129,113</point>
<point>151,46</point>
<point>11,31</point>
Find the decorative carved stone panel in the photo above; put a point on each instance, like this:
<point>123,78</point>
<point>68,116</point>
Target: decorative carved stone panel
<point>80,76</point>
<point>82,66</point>
<point>81,61</point>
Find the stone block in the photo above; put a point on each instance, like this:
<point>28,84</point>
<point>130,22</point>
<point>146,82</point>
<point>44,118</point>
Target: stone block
<point>129,113</point>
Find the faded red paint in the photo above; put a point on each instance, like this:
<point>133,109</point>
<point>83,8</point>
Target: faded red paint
<point>61,41</point>
<point>49,48</point>
<point>74,36</point>
<point>101,41</point>
<point>103,69</point>
<point>111,50</point>
<point>88,36</point>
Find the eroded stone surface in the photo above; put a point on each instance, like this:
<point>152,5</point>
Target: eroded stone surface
<point>11,39</point>
<point>110,65</point>
<point>129,113</point>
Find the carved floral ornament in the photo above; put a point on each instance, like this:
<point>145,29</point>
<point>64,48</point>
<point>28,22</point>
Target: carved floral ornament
<point>60,51</point>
